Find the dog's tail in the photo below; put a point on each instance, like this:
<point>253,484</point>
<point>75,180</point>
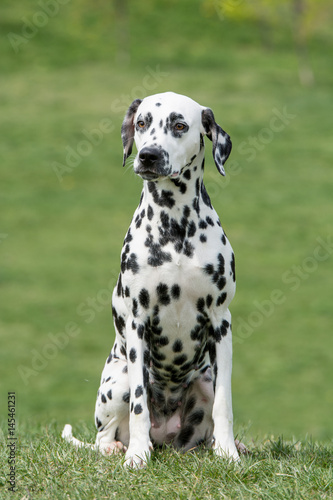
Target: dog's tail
<point>68,436</point>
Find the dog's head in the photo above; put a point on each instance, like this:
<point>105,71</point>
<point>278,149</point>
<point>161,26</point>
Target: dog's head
<point>168,131</point>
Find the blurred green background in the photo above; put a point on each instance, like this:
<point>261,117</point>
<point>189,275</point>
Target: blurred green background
<point>69,70</point>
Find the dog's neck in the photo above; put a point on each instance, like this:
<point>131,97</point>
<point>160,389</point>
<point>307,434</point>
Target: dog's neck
<point>173,195</point>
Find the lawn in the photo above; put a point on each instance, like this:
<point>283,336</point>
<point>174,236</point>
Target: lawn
<point>274,469</point>
<point>66,203</point>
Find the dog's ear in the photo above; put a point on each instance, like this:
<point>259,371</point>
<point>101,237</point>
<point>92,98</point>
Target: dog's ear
<point>127,129</point>
<point>220,139</point>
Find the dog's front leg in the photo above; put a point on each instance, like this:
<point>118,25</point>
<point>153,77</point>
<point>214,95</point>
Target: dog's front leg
<point>140,446</point>
<point>224,444</point>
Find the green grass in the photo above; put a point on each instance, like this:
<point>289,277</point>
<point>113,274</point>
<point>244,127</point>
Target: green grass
<point>60,241</point>
<point>47,467</point>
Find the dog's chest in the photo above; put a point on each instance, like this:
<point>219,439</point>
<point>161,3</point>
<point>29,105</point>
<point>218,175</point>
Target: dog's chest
<point>175,267</point>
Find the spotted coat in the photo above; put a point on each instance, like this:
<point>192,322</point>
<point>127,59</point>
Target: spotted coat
<point>168,376</point>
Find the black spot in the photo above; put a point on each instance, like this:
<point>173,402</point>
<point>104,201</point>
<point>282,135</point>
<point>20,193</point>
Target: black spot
<point>180,360</point>
<point>209,300</point>
<point>125,369</point>
<point>146,357</point>
<point>165,220</point>
<point>119,322</point>
<point>138,391</point>
<point>224,327</point>
<point>203,238</point>
<point>221,282</point>
<point>98,423</point>
<point>123,351</point>
<point>181,185</point>
<point>221,299</point>
<point>224,239</point>
<point>163,341</point>
<point>186,211</point>
<point>187,173</point>
<point>145,376</point>
<point>190,404</point>
<point>132,263</point>
<point>103,398</point>
<point>232,264</point>
<point>157,104</point>
<point>128,237</point>
<point>191,229</point>
<point>221,266</point>
<point>157,257</point>
<point>203,224</point>
<point>119,287</point>
<point>127,292</point>
<point>175,291</point>
<point>109,393</point>
<point>211,347</point>
<point>138,409</point>
<point>196,417</point>
<point>185,435</point>
<point>209,221</point>
<point>140,331</point>
<point>135,308</point>
<point>177,346</point>
<point>132,355</point>
<point>188,249</point>
<point>205,196</point>
<point>144,298</point>
<point>195,333</point>
<point>196,205</point>
<point>157,356</point>
<point>209,269</point>
<point>165,199</point>
<point>150,212</point>
<point>201,305</point>
<point>109,357</point>
<point>163,294</point>
<point>126,397</point>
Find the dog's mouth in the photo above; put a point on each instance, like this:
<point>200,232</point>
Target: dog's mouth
<point>147,175</point>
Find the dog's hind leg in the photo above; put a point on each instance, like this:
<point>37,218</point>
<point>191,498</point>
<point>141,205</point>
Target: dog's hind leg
<point>112,407</point>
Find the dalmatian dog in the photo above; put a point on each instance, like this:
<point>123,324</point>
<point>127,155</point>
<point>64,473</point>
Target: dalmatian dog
<point>167,379</point>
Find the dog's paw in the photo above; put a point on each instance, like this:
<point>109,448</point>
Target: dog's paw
<point>112,448</point>
<point>228,452</point>
<point>137,459</point>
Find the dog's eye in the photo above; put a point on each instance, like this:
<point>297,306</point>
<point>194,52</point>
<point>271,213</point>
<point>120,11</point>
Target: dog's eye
<point>141,124</point>
<point>179,126</point>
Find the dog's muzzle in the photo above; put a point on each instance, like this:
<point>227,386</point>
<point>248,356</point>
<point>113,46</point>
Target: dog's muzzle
<point>151,163</point>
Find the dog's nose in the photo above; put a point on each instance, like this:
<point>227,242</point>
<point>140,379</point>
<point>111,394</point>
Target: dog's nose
<point>149,156</point>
